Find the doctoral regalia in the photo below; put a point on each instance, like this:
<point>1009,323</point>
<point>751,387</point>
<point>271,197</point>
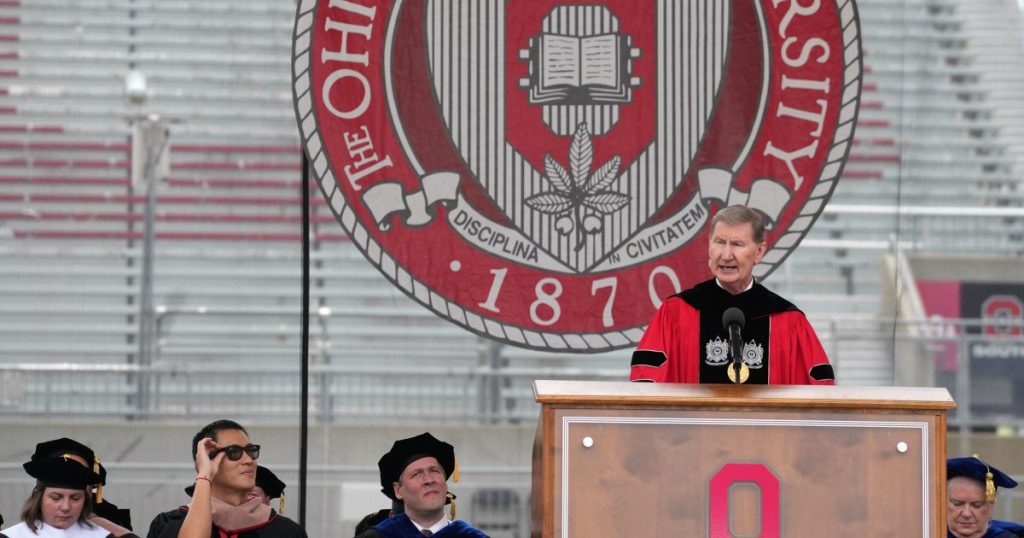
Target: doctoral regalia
<point>400,526</point>
<point>1011,527</point>
<point>686,342</point>
<point>999,529</point>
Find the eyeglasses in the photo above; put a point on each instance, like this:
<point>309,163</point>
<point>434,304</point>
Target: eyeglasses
<point>234,452</point>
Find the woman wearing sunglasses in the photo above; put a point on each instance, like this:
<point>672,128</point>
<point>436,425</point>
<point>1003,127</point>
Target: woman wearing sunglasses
<point>221,507</point>
<point>61,504</point>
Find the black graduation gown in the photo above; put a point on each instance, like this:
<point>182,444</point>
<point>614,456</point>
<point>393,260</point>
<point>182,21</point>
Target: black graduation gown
<point>114,514</point>
<point>167,524</point>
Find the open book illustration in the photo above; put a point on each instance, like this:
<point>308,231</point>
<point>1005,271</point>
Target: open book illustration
<point>580,70</point>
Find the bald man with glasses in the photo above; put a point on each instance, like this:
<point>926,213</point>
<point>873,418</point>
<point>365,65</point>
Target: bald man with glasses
<point>225,462</point>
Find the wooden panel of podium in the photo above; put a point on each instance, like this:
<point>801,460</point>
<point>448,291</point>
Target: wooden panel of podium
<point>640,459</point>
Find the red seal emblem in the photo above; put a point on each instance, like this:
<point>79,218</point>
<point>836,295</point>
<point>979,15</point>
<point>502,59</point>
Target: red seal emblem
<point>543,173</point>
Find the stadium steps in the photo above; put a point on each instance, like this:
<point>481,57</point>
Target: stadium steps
<point>995,28</point>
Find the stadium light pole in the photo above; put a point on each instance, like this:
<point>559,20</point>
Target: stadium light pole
<point>150,160</point>
<point>304,374</point>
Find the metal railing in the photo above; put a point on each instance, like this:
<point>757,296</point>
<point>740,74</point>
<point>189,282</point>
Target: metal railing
<point>492,388</point>
<point>338,393</point>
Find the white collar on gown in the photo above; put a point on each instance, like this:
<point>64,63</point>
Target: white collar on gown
<point>22,530</point>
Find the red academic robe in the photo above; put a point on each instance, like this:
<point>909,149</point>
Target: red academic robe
<point>796,356</point>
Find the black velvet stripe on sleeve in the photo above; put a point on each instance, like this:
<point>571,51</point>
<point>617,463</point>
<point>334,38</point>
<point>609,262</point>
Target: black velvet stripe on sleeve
<point>643,357</point>
<point>823,372</point>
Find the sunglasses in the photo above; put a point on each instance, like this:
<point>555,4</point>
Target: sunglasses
<point>234,452</point>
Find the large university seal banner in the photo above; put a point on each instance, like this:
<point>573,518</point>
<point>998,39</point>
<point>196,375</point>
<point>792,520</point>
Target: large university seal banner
<point>543,172</point>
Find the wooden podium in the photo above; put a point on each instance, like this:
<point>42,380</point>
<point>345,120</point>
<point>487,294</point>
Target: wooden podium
<point>640,459</point>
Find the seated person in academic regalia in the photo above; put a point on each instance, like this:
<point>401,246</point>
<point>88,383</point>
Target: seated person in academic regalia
<point>268,487</point>
<point>971,487</point>
<point>221,506</point>
<point>61,502</point>
<point>373,519</point>
<point>689,341</point>
<point>107,514</point>
<point>415,472</point>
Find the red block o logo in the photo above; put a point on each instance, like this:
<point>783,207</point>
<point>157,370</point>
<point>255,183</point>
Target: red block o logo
<point>740,473</point>
<point>1001,308</point>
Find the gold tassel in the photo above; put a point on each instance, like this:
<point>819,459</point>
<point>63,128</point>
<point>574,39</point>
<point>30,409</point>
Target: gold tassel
<point>99,487</point>
<point>990,483</point>
<point>455,478</point>
<point>990,488</point>
<point>280,504</point>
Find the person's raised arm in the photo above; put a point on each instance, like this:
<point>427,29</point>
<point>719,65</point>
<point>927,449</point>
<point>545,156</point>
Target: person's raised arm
<point>199,519</point>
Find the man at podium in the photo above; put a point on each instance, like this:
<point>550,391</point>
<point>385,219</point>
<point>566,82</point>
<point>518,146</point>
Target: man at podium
<point>696,334</point>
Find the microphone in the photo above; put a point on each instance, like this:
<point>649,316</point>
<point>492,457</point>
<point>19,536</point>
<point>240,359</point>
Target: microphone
<point>733,321</point>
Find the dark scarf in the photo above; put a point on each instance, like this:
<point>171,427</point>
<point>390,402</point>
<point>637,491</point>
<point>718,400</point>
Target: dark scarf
<point>757,305</point>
